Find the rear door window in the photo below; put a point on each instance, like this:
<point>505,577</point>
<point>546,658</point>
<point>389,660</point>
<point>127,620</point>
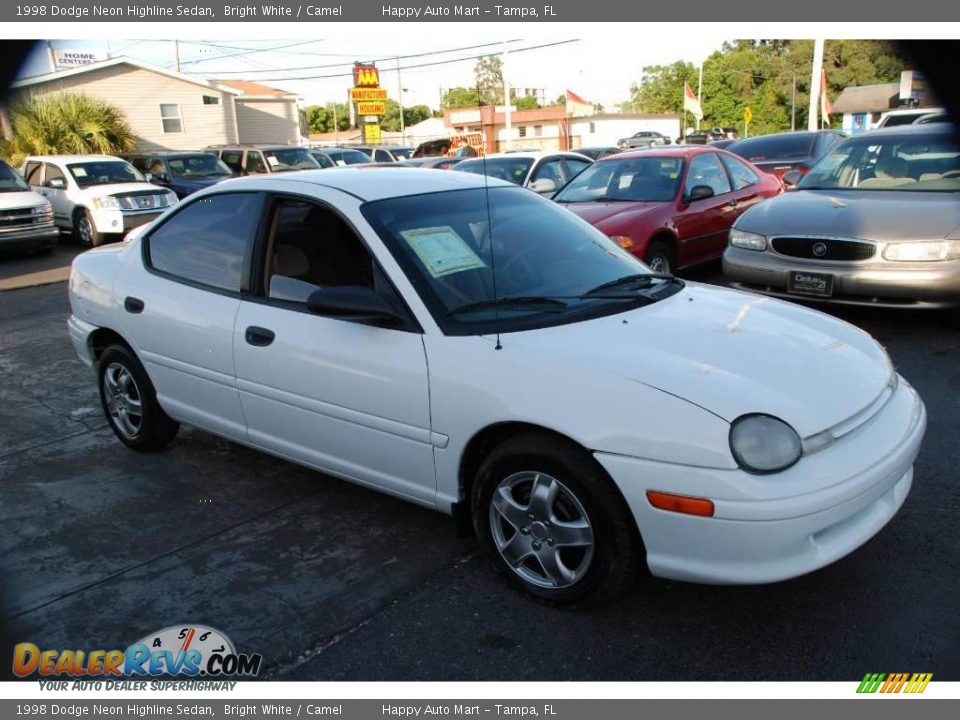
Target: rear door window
<point>740,174</point>
<point>233,159</point>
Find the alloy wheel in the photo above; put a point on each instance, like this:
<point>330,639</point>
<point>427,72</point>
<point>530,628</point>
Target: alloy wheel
<point>123,400</point>
<point>86,231</point>
<point>541,530</point>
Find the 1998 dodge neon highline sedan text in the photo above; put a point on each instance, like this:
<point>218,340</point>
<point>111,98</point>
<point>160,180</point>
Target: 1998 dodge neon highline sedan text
<point>597,415</point>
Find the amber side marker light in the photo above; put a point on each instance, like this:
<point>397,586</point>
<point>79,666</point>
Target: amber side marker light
<point>623,241</point>
<point>680,503</point>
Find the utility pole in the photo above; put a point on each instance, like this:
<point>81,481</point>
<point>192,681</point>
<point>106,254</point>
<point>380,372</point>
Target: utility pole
<point>700,94</point>
<point>176,54</point>
<point>812,122</point>
<point>506,101</point>
<point>403,130</point>
<point>793,105</point>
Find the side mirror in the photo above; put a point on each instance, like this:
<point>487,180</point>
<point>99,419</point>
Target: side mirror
<point>56,183</point>
<point>700,192</point>
<point>352,302</point>
<point>543,186</point>
<point>148,177</point>
<point>790,179</point>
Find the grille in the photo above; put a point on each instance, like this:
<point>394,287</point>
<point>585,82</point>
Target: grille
<point>18,218</point>
<point>823,248</point>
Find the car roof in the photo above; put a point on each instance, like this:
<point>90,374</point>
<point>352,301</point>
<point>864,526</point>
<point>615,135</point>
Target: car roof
<point>372,182</point>
<point>529,154</point>
<point>71,158</point>
<point>926,129</point>
<point>662,151</point>
<point>251,146</point>
<point>170,153</point>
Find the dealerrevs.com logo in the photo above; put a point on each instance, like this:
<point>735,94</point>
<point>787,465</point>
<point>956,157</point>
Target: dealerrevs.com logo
<point>187,651</point>
<point>894,683</point>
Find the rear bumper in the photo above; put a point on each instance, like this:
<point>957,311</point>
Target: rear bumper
<point>885,284</point>
<point>80,333</point>
<point>759,532</point>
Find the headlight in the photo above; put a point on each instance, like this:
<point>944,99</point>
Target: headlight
<point>763,444</point>
<point>171,198</point>
<point>45,209</point>
<point>748,240</point>
<point>923,251</point>
<point>106,203</point>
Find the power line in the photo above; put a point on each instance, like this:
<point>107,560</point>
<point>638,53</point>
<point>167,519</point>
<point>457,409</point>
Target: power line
<point>411,67</point>
<point>347,64</point>
<point>248,51</point>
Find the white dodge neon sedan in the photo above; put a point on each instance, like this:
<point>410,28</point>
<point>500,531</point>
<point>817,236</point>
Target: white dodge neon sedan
<point>595,417</point>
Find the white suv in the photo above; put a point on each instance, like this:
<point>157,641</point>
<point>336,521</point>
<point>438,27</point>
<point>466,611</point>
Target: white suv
<point>26,220</point>
<point>95,196</point>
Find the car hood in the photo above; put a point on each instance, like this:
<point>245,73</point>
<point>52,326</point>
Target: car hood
<point>879,215</point>
<point>121,189</point>
<point>731,353</point>
<point>20,199</point>
<point>604,214</point>
<point>191,185</point>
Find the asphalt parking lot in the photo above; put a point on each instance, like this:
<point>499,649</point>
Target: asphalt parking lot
<point>329,581</point>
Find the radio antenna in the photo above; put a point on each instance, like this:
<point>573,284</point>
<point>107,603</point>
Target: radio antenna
<point>486,192</point>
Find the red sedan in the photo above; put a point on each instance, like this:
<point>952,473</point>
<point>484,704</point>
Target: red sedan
<point>672,208</point>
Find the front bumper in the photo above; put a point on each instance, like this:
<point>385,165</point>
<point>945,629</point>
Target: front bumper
<point>873,283</point>
<point>32,236</point>
<point>772,528</point>
<point>80,335</point>
<point>120,221</point>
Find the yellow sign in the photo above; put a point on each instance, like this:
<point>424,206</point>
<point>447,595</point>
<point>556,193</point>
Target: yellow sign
<point>747,115</point>
<point>366,76</point>
<point>371,133</point>
<point>372,108</point>
<point>358,94</point>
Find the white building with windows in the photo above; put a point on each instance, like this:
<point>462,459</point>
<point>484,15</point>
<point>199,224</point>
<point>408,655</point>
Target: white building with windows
<point>168,110</point>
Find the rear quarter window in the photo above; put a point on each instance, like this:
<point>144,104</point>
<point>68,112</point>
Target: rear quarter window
<point>774,148</point>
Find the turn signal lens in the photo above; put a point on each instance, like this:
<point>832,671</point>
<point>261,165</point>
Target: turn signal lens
<point>680,503</point>
<point>623,241</point>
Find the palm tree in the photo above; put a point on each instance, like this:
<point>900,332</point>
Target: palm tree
<point>66,123</point>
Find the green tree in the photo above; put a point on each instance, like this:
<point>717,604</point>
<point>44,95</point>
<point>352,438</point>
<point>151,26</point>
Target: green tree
<point>488,75</point>
<point>459,97</point>
<point>320,118</point>
<point>411,115</point>
<point>527,102</point>
<point>66,123</point>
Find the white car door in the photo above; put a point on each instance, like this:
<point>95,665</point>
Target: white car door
<point>180,303</point>
<point>350,398</point>
<point>57,193</point>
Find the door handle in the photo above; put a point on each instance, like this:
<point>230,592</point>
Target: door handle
<point>261,337</point>
<point>133,305</point>
<point>732,203</point>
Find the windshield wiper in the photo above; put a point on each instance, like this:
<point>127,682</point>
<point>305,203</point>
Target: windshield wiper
<point>639,279</point>
<point>546,304</point>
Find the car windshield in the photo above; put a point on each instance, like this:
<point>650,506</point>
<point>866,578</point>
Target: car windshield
<point>505,168</point>
<point>347,157</point>
<point>286,159</point>
<point>638,179</point>
<point>201,165</point>
<point>775,147</point>
<point>104,172</point>
<point>908,162</point>
<point>550,266</point>
<point>10,181</point>
<point>323,160</point>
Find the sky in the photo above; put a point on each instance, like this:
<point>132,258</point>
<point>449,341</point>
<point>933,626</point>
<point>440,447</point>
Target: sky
<point>599,64</point>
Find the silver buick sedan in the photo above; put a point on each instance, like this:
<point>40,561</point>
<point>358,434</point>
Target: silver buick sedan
<point>875,222</point>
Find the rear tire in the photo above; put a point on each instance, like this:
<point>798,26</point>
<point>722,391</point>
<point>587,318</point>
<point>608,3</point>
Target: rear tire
<point>553,523</point>
<point>129,402</point>
<point>659,257</point>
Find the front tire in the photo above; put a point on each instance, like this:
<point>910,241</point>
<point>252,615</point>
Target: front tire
<point>659,257</point>
<point>553,523</point>
<point>129,402</point>
<point>85,231</point>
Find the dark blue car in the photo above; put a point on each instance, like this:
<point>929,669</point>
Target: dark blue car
<point>182,172</point>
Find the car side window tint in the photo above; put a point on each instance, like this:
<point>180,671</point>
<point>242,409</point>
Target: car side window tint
<point>741,175</point>
<point>310,247</point>
<point>705,169</point>
<point>208,241</point>
<point>254,163</point>
<point>53,173</point>
<point>574,167</point>
<point>33,173</point>
<point>233,159</point>
<point>548,170</point>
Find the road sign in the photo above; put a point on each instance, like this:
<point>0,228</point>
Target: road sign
<point>747,115</point>
<point>372,108</point>
<point>366,76</point>
<point>359,94</point>
<point>371,133</point>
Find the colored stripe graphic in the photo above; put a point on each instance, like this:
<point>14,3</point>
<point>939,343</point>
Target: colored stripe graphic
<point>894,682</point>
